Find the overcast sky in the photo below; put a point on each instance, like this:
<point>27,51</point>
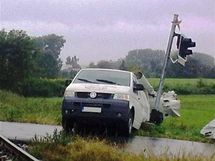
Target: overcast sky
<point>108,29</point>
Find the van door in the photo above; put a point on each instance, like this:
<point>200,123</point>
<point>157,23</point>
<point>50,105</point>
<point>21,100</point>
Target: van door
<point>144,103</point>
<point>140,114</point>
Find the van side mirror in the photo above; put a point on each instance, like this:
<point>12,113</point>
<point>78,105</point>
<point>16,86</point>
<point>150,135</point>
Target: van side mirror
<point>139,87</point>
<point>67,82</point>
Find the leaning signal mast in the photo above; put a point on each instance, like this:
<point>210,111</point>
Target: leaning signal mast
<point>183,44</point>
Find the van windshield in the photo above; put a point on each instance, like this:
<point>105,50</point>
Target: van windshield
<point>103,77</point>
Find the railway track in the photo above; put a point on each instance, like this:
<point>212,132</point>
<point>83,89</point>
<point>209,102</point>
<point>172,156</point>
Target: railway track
<point>11,152</point>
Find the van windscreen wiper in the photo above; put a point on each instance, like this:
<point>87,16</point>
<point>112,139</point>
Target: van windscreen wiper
<point>105,81</point>
<point>85,80</point>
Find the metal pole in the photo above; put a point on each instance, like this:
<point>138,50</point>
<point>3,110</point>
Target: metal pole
<point>175,22</point>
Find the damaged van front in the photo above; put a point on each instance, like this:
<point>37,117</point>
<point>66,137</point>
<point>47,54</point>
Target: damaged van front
<point>104,97</point>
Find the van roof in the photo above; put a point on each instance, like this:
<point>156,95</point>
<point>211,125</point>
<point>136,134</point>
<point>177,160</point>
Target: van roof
<point>116,70</point>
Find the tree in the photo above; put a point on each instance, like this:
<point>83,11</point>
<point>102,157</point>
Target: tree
<point>50,47</point>
<point>68,61</point>
<point>105,64</point>
<point>151,61</point>
<point>92,65</point>
<point>122,65</point>
<point>17,55</point>
<point>74,62</point>
<point>108,64</point>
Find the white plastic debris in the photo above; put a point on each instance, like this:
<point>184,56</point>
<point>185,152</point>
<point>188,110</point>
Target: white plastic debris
<point>209,130</point>
<point>171,104</point>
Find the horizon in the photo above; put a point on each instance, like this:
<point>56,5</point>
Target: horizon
<point>95,62</point>
<point>107,30</point>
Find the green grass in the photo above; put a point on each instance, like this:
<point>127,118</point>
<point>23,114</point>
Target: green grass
<point>33,110</point>
<point>181,81</point>
<point>196,111</point>
<point>186,86</point>
<point>62,147</point>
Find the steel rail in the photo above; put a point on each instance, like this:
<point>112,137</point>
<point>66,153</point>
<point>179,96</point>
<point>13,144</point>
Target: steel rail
<point>15,150</point>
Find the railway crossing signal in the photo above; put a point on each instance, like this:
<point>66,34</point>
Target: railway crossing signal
<point>183,45</point>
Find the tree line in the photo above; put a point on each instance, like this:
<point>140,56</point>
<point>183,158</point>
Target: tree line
<point>150,63</point>
<point>23,57</point>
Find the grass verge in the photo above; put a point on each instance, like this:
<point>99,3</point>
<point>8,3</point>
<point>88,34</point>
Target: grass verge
<point>34,110</point>
<point>196,112</point>
<point>61,147</point>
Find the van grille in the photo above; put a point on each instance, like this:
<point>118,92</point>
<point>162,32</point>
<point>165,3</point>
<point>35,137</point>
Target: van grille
<point>99,95</point>
<point>81,104</point>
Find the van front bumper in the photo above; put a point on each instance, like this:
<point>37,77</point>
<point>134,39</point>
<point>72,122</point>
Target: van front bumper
<point>108,112</point>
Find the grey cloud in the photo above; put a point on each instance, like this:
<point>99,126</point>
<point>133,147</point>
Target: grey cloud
<point>109,28</point>
<point>106,11</point>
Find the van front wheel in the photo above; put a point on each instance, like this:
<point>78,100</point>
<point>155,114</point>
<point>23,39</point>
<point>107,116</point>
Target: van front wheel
<point>126,128</point>
<point>67,126</point>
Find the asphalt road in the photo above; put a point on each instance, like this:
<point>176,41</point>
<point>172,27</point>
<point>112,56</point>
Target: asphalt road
<point>26,131</point>
<point>137,144</point>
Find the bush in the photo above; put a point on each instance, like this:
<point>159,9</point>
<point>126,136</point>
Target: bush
<point>55,87</point>
<point>190,89</point>
<point>43,87</point>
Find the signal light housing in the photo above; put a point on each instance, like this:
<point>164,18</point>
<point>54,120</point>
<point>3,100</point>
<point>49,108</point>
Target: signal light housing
<point>183,44</point>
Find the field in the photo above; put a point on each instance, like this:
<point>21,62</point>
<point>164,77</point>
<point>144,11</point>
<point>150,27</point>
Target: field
<point>182,81</point>
<point>33,110</point>
<point>184,86</point>
<point>196,111</point>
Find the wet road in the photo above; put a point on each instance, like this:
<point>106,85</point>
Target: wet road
<point>171,147</point>
<point>137,144</point>
<point>26,131</point>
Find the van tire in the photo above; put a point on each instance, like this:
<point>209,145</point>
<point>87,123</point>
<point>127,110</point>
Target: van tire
<point>126,128</point>
<point>67,125</point>
<point>156,117</point>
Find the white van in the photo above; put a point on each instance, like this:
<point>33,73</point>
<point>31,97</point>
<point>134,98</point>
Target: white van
<point>105,97</point>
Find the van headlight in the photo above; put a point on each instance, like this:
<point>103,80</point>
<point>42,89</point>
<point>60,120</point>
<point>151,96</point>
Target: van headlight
<point>69,93</point>
<point>120,96</point>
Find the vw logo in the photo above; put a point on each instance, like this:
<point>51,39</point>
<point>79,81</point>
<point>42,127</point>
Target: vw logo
<point>93,94</point>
